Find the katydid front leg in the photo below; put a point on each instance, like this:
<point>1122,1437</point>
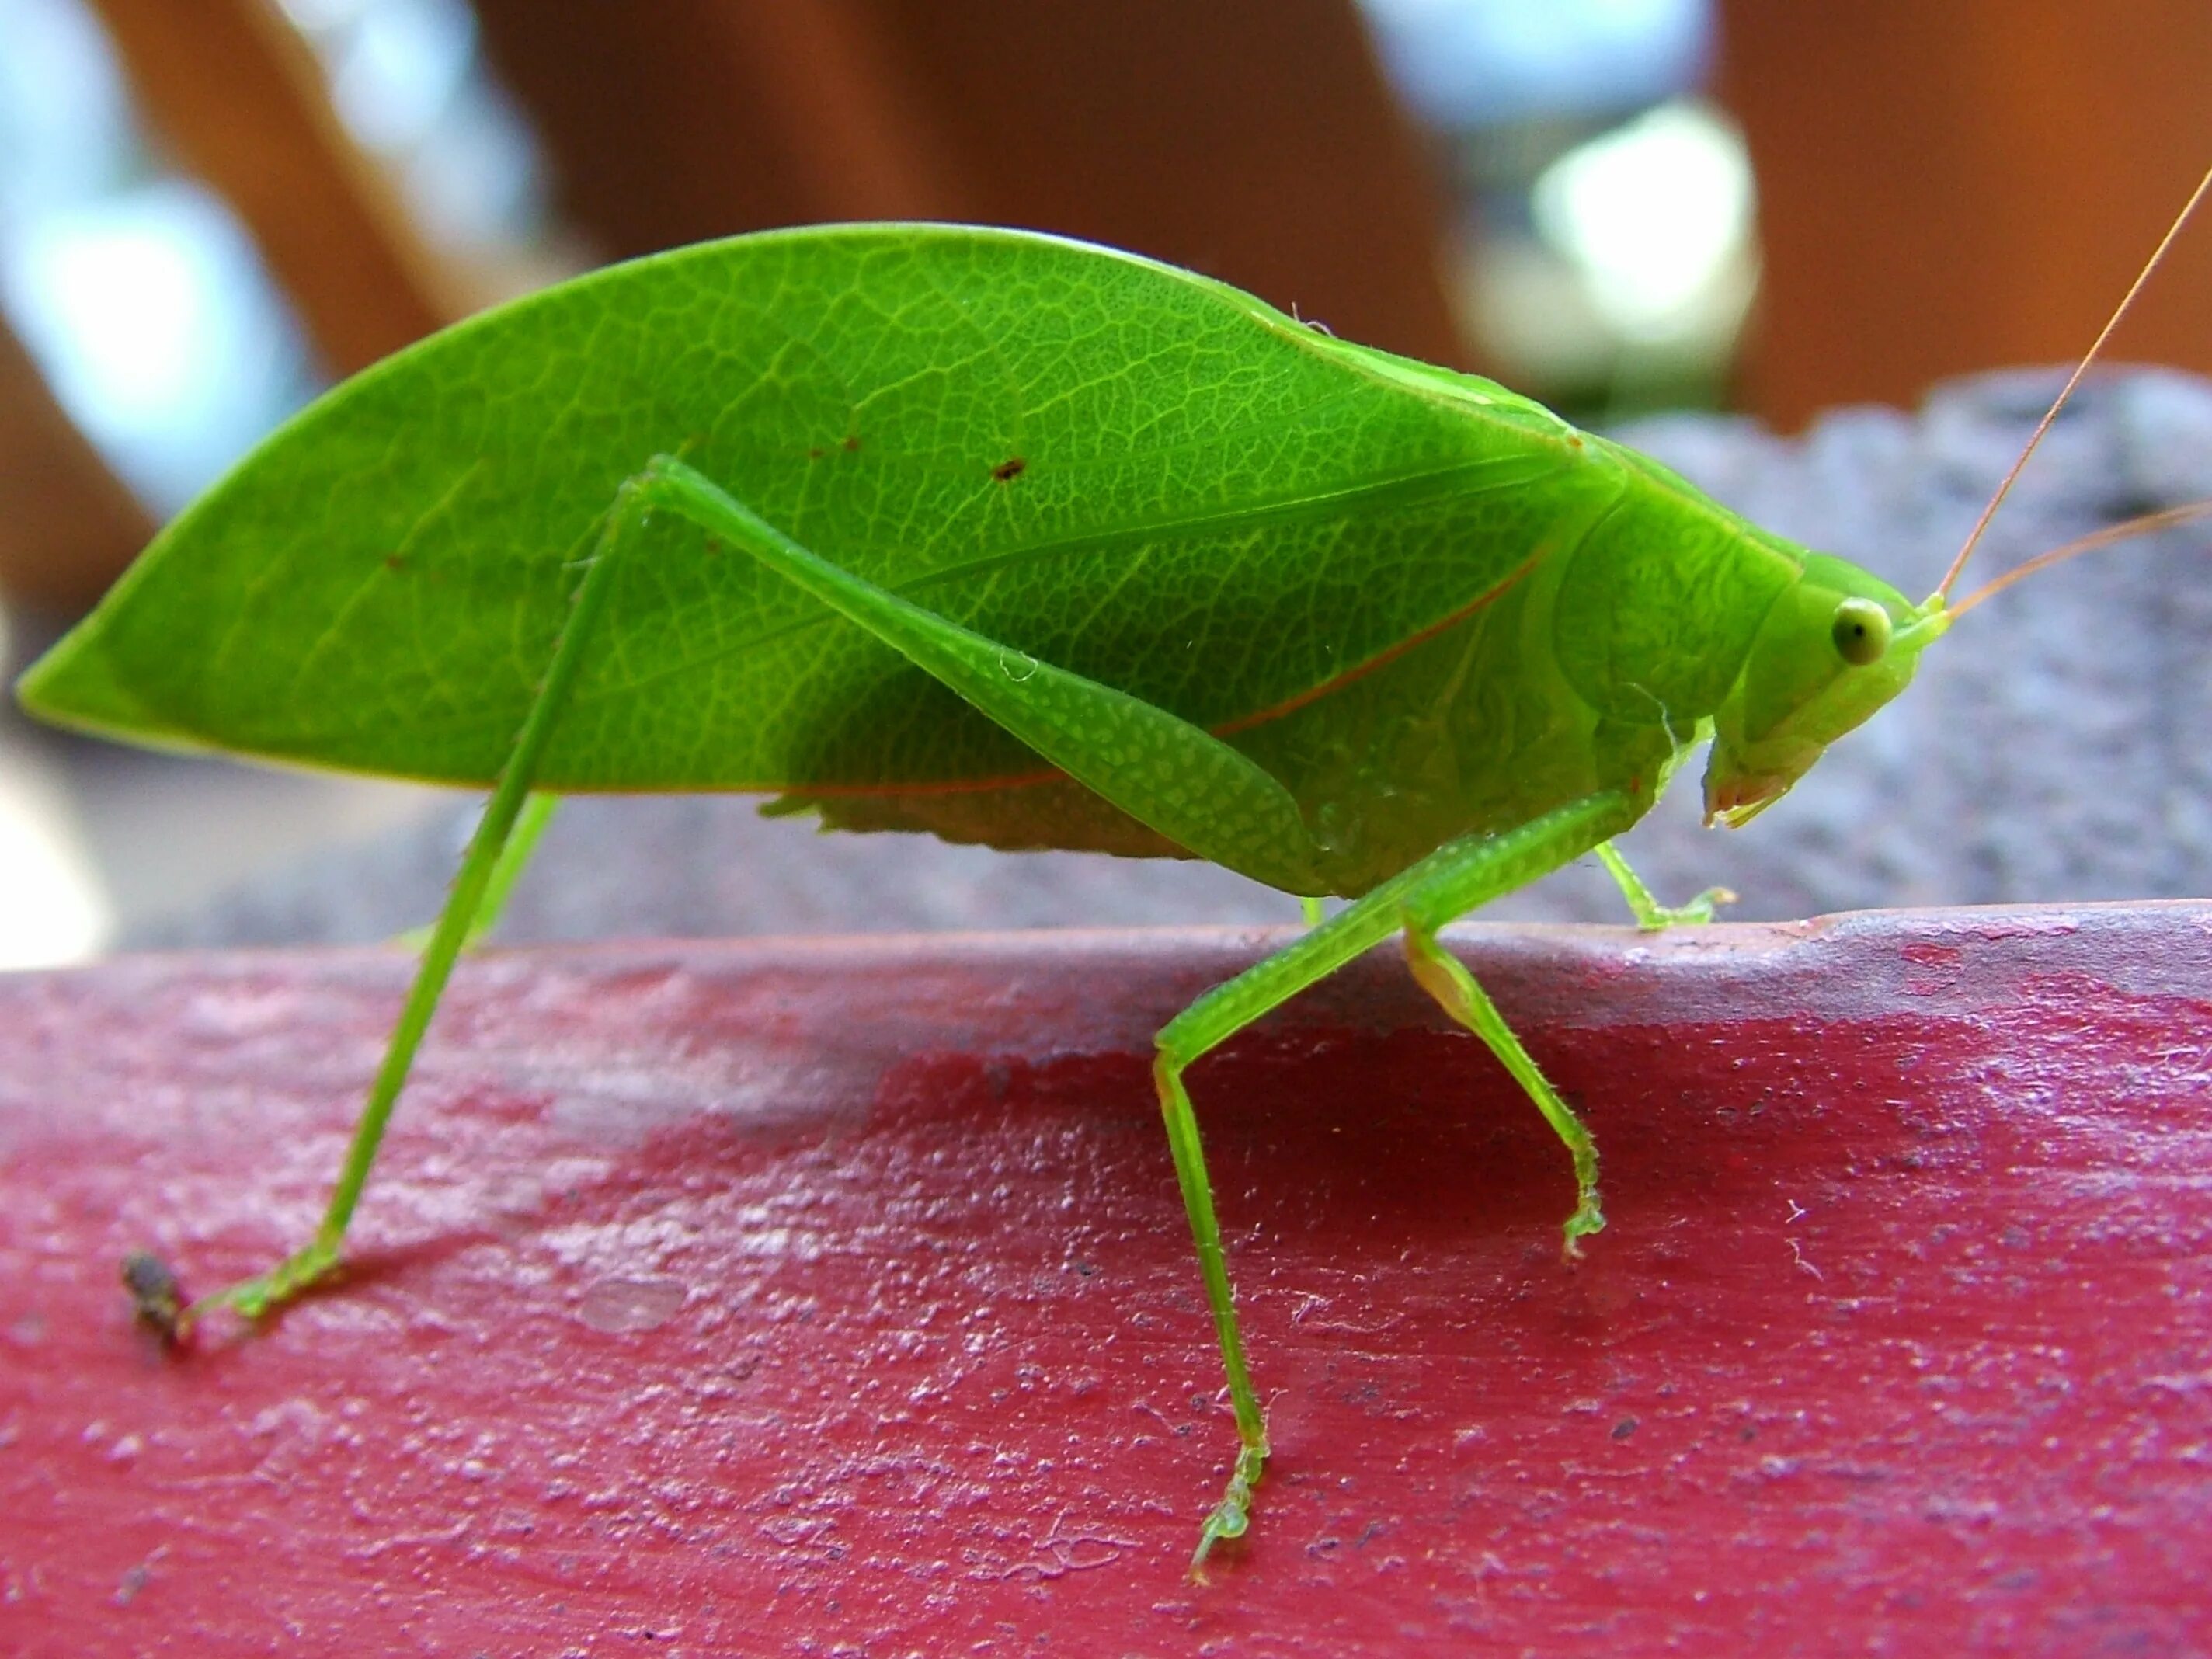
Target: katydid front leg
<point>514,858</point>
<point>1451,881</point>
<point>1651,914</point>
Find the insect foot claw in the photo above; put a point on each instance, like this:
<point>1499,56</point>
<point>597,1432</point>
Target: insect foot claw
<point>1712,900</point>
<point>1232,1516</point>
<point>1588,1218</point>
<point>250,1299</point>
<point>1699,911</point>
<point>156,1297</point>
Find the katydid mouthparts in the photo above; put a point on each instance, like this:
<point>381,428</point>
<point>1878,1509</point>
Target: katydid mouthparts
<point>1014,540</point>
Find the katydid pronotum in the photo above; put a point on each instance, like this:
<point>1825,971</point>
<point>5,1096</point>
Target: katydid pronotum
<point>1014,540</point>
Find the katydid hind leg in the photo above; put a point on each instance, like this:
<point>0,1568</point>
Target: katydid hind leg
<point>1457,878</point>
<point>1172,776</point>
<point>514,858</point>
<point>489,868</point>
<point>1183,782</point>
<point>1649,914</point>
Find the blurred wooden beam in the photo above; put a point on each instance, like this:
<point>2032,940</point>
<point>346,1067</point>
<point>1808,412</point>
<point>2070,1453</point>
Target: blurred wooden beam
<point>231,84</point>
<point>1946,188</point>
<point>713,118</point>
<point>1252,139</point>
<point>67,526</point>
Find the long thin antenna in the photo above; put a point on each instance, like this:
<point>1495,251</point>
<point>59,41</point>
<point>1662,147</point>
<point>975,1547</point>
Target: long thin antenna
<point>2104,538</point>
<point>1982,523</point>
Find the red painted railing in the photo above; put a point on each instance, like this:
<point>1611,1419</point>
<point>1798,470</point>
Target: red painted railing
<point>726,1299</point>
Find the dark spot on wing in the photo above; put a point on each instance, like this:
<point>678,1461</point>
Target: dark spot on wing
<point>1010,469</point>
<point>816,455</point>
<point>852,443</point>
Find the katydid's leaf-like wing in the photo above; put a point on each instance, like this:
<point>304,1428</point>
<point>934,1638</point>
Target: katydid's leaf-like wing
<point>1132,473</point>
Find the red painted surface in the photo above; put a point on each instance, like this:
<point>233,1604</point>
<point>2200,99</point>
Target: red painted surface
<point>835,1298</point>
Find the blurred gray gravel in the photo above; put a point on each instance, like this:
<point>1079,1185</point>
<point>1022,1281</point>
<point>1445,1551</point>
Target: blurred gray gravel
<point>2054,746</point>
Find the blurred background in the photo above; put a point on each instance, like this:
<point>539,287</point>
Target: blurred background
<point>209,211</point>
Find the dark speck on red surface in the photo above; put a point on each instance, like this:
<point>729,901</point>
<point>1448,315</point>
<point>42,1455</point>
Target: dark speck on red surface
<point>835,1298</point>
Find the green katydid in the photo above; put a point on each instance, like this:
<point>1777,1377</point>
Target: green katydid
<point>1015,540</point>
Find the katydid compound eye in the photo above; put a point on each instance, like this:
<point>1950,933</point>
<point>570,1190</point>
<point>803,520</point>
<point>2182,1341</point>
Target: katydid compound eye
<point>1860,631</point>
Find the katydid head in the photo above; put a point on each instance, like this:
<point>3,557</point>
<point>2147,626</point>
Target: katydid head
<point>1836,647</point>
<point>1837,644</point>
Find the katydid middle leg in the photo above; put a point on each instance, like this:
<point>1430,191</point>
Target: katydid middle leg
<point>1450,882</point>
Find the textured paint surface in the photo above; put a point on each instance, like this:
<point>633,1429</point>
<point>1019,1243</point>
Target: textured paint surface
<point>835,1299</point>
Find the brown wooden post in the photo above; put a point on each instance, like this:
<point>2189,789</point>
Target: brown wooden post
<point>1952,187</point>
<point>68,527</point>
<point>232,86</point>
<point>1256,142</point>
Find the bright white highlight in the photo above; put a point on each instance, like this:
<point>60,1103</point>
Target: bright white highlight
<point>53,910</point>
<point>1467,63</point>
<point>1651,215</point>
<point>148,316</point>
